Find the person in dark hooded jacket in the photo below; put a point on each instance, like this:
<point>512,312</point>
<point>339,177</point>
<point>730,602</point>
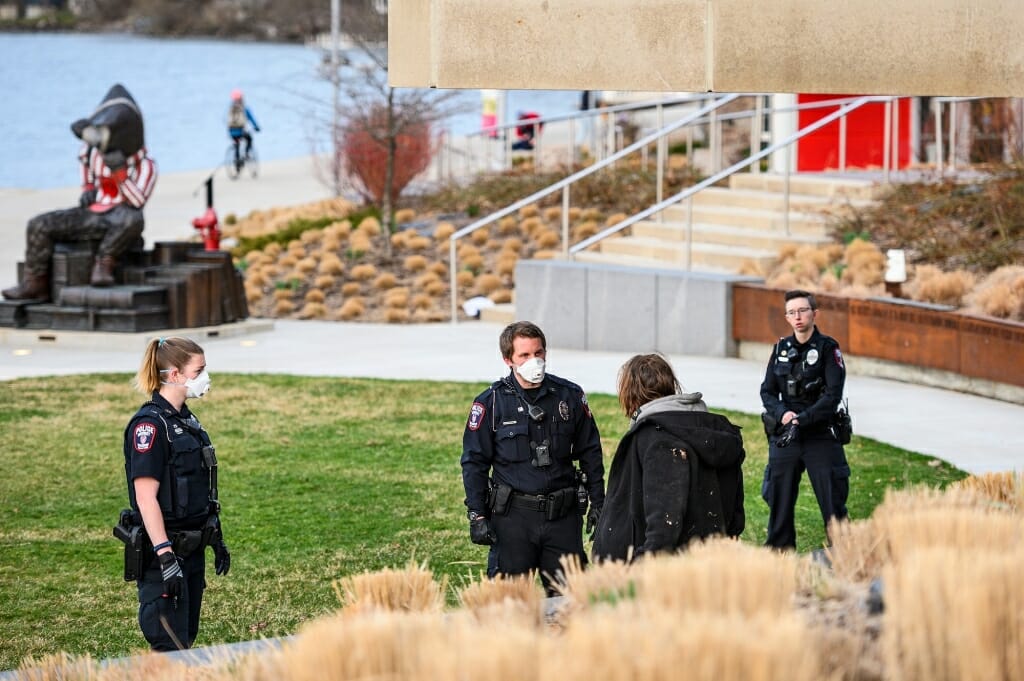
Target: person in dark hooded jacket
<point>676,474</point>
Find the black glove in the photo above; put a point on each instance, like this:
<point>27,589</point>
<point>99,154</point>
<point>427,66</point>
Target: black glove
<point>221,557</point>
<point>87,198</point>
<point>114,159</point>
<point>174,578</point>
<point>592,519</point>
<point>480,531</point>
<point>790,432</point>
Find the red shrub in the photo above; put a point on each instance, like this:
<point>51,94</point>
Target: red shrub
<point>364,145</point>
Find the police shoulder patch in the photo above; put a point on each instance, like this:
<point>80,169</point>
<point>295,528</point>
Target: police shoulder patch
<point>476,416</point>
<point>143,436</point>
<point>839,359</point>
<point>586,407</point>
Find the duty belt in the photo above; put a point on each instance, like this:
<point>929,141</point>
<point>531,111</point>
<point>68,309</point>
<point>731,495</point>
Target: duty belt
<point>555,505</point>
<point>532,502</point>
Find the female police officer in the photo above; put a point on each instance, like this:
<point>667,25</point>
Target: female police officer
<point>171,470</point>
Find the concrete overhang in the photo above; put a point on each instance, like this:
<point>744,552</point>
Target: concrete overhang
<point>900,47</point>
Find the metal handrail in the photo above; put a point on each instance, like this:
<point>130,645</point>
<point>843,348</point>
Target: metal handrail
<point>563,184</point>
<point>690,191</point>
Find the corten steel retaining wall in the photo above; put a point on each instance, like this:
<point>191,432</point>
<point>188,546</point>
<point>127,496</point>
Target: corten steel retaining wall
<point>930,337</point>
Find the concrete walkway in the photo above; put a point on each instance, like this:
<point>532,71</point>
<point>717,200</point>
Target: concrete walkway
<point>973,433</point>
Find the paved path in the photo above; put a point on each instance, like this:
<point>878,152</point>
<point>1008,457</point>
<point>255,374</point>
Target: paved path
<point>974,433</point>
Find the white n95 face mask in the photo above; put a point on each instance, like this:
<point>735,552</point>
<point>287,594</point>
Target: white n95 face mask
<point>198,386</point>
<point>532,370</point>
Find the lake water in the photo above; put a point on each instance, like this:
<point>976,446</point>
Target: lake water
<point>49,80</point>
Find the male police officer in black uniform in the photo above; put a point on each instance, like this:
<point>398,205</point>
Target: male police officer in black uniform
<point>526,431</point>
<point>802,389</point>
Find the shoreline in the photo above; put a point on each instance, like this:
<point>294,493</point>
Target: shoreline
<point>177,199</point>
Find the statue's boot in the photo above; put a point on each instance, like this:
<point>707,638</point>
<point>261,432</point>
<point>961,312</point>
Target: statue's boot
<point>34,286</point>
<point>103,271</point>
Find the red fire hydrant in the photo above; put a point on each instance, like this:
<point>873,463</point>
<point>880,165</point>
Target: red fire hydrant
<point>207,222</point>
<point>207,226</point>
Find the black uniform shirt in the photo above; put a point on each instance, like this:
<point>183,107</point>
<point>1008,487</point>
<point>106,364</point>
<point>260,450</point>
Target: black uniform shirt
<point>501,438</point>
<point>815,372</point>
<point>148,450</point>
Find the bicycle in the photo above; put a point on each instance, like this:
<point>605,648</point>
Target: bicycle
<point>236,161</point>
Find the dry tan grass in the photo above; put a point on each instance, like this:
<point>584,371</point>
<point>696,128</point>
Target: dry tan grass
<point>284,306</point>
<point>464,279</point>
<point>411,589</point>
<point>473,262</point>
<point>313,310</point>
<point>584,230</point>
<point>466,250</point>
<point>359,243</point>
<point>363,272</point>
<point>439,268</point>
<point>400,240</point>
<point>480,597</point>
<point>506,266</point>
<point>487,283</point>
<point>1003,488</point>
<point>955,615</point>
<point>480,237</point>
<point>306,265</point>
<point>314,295</point>
<point>512,245</point>
<point>287,260</point>
<point>530,225</point>
<point>324,282</point>
<point>547,238</point>
<point>435,288</point>
<point>351,309</point>
<point>370,226</point>
<point>552,214</point>
<point>1000,294</point>
<point>501,296</point>
<point>415,263</point>
<point>443,231</point>
<point>529,211</point>
<point>385,281</point>
<point>422,301</point>
<point>931,285</point>
<point>507,225</point>
<point>404,215</point>
<point>614,219</point>
<point>396,315</point>
<point>351,288</point>
<point>283,294</point>
<point>418,243</point>
<point>396,297</point>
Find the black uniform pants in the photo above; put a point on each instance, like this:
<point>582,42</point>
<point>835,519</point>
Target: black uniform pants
<point>158,613</point>
<point>117,229</point>
<point>528,541</point>
<point>825,463</point>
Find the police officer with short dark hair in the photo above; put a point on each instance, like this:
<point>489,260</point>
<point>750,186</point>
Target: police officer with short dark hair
<point>523,435</point>
<point>801,392</point>
<point>171,469</point>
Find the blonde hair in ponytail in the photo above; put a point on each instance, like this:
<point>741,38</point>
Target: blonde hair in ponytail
<point>161,354</point>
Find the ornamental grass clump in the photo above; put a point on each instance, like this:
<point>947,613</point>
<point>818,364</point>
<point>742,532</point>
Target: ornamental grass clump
<point>929,284</point>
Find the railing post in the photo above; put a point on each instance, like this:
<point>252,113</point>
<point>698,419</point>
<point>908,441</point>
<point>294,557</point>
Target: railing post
<point>565,220</point>
<point>842,144</point>
<point>937,106</point>
<point>572,144</point>
<point>713,141</point>
<point>886,142</point>
<point>662,153</point>
<point>952,135</point>
<point>536,148</point>
<point>785,188</point>
<point>896,136</point>
<point>689,232</point>
<point>756,129</point>
<point>452,278</point>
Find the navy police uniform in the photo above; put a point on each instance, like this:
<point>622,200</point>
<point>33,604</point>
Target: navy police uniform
<point>519,449</point>
<point>163,443</point>
<point>807,379</point>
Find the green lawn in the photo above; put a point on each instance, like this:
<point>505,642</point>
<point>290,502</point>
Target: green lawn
<point>319,478</point>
